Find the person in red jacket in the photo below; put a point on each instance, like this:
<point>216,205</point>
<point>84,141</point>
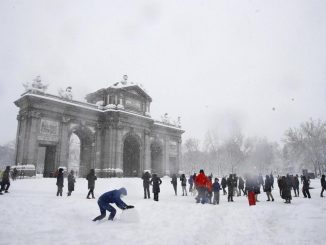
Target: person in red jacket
<point>201,183</point>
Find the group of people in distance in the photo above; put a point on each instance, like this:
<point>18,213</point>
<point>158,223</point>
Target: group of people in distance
<point>232,185</point>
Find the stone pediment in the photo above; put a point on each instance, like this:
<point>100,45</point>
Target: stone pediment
<point>136,90</point>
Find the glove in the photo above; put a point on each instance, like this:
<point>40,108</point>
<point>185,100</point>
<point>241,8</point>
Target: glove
<point>129,206</point>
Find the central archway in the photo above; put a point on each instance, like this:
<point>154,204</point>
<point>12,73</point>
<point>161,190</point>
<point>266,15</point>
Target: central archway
<point>131,156</point>
<point>85,140</point>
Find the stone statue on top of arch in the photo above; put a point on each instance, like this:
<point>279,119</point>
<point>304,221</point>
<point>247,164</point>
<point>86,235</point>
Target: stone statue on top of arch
<point>37,86</point>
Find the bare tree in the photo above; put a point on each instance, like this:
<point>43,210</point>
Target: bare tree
<point>307,144</point>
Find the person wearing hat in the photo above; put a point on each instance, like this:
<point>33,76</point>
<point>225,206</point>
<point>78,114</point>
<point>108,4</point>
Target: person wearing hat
<point>113,196</point>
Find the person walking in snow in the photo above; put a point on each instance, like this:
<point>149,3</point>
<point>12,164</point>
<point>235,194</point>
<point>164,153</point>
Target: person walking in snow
<point>71,182</point>
<point>268,188</point>
<point>216,190</point>
<point>183,181</point>
<point>156,182</point>
<point>223,183</point>
<point>285,186</point>
<point>201,182</point>
<point>241,186</point>
<point>305,187</point>
<point>91,178</point>
<point>296,184</point>
<point>60,182</point>
<point>146,180</point>
<point>323,185</point>
<point>5,182</point>
<point>113,196</point>
<point>174,182</point>
<point>232,184</point>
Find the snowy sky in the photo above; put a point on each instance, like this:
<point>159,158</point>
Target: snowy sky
<point>217,64</point>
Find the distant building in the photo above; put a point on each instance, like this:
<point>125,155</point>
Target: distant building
<point>114,127</point>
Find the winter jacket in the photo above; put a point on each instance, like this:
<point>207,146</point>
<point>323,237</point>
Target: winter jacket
<point>268,185</point>
<point>201,180</point>
<point>306,183</point>
<point>183,180</point>
<point>296,183</point>
<point>191,180</point>
<point>114,197</point>
<point>6,177</point>
<point>223,182</point>
<point>323,182</point>
<point>156,181</point>
<point>174,180</point>
<point>146,179</point>
<point>91,180</point>
<point>60,179</point>
<point>71,182</point>
<point>241,183</point>
<point>216,187</point>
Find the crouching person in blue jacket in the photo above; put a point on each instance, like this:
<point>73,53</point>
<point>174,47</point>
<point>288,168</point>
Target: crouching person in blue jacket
<point>111,197</point>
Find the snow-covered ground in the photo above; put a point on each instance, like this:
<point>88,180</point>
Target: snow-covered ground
<point>32,214</point>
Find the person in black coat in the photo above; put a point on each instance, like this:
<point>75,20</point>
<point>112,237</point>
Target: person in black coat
<point>60,182</point>
<point>271,178</point>
<point>305,187</point>
<point>174,182</point>
<point>113,196</point>
<point>5,182</point>
<point>146,180</point>
<point>91,178</point>
<point>285,186</point>
<point>296,184</point>
<point>268,188</point>
<point>156,182</point>
<point>71,182</point>
<point>323,185</point>
<point>223,183</point>
<point>231,183</point>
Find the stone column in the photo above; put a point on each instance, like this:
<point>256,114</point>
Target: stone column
<point>21,131</point>
<point>147,155</point>
<point>119,147</point>
<point>166,159</point>
<point>31,145</point>
<point>179,155</point>
<point>107,153</point>
<point>63,145</point>
<point>98,146</point>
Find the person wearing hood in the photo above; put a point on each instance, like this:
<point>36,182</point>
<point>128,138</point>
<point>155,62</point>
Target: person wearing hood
<point>113,196</point>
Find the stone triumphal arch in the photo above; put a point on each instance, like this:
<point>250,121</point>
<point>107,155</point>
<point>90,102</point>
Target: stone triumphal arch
<point>115,130</point>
